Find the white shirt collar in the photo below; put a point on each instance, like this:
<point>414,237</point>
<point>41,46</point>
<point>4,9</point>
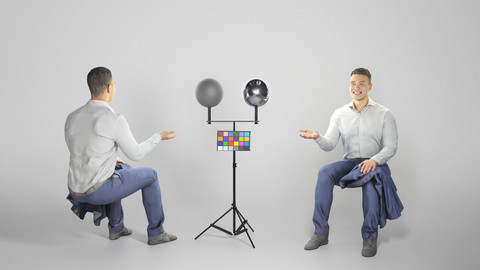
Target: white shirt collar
<point>370,103</point>
<point>97,102</point>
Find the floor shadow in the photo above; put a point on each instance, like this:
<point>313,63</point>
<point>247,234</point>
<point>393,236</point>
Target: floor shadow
<point>44,226</point>
<point>398,231</point>
<point>235,238</point>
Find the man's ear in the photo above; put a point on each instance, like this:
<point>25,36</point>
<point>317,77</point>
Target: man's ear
<point>109,88</point>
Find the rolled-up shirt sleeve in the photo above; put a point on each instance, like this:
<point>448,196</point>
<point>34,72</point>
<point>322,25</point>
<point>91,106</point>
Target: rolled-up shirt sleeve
<point>127,143</point>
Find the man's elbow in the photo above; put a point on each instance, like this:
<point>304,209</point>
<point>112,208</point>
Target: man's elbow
<point>391,151</point>
<point>394,150</point>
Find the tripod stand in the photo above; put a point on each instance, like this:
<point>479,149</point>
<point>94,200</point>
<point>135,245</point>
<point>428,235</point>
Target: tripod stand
<point>236,213</point>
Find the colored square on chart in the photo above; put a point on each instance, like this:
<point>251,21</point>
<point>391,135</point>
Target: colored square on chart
<point>233,140</point>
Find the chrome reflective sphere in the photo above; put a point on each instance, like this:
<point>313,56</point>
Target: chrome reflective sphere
<point>209,93</point>
<point>256,93</point>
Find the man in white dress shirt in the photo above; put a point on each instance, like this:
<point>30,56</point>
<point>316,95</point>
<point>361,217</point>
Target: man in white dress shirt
<point>369,136</point>
<point>96,176</point>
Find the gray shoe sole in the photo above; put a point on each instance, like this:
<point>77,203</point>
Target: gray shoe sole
<point>124,232</point>
<point>316,242</point>
<point>160,239</point>
<point>369,252</point>
<point>369,247</point>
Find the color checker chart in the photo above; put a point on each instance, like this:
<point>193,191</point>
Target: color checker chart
<point>233,140</point>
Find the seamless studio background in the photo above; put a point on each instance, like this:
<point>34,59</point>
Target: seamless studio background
<point>424,61</point>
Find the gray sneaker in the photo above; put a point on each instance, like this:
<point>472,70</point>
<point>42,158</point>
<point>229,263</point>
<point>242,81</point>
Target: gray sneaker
<point>161,238</point>
<point>369,247</point>
<point>316,241</point>
<point>124,232</point>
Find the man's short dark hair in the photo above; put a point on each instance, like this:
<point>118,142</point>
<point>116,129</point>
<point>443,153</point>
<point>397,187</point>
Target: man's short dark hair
<point>362,71</point>
<point>98,79</point>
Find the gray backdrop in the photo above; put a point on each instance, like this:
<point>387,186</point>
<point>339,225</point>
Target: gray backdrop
<point>425,63</point>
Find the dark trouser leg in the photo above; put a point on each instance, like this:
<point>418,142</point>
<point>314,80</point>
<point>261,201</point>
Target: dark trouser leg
<point>152,202</point>
<point>115,217</point>
<point>371,210</point>
<point>129,181</point>
<point>328,176</point>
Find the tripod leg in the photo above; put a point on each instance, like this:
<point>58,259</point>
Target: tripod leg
<point>241,217</point>
<point>251,242</point>
<point>221,229</point>
<point>213,224</point>
<point>241,228</point>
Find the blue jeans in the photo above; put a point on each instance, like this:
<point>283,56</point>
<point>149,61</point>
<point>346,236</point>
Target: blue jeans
<point>329,176</point>
<point>127,181</point>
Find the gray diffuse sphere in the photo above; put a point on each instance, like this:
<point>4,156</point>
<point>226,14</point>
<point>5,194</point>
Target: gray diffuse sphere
<point>209,93</point>
<point>256,93</point>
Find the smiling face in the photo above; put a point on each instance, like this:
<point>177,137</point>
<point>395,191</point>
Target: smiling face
<point>360,85</point>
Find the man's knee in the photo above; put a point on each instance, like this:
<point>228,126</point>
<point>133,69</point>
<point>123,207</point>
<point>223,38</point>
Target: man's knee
<point>325,173</point>
<point>149,173</point>
<point>383,169</point>
<point>154,174</point>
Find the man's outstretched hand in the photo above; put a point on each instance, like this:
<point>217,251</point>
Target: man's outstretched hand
<point>168,134</point>
<point>309,134</point>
